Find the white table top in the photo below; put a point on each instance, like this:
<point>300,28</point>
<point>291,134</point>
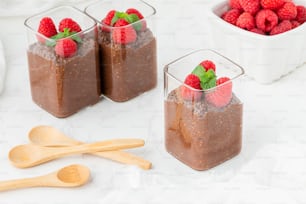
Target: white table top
<point>270,169</point>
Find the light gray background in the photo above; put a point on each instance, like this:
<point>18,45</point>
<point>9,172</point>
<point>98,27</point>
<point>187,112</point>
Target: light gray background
<point>270,169</point>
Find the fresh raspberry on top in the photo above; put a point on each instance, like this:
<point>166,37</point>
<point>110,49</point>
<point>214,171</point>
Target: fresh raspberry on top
<point>207,65</point>
<point>187,93</point>
<point>134,11</point>
<point>281,27</point>
<point>121,22</point>
<point>222,94</point>
<point>246,21</point>
<point>234,4</point>
<point>295,24</point>
<point>266,20</point>
<point>272,4</point>
<point>301,14</point>
<point>108,18</point>
<point>258,31</point>
<point>70,24</point>
<point>231,16</point>
<point>47,28</point>
<point>287,12</point>
<point>124,35</point>
<point>65,47</point>
<point>250,6</point>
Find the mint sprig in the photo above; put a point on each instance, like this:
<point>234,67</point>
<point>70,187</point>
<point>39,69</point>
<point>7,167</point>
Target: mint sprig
<point>64,34</point>
<point>207,78</point>
<point>130,18</point>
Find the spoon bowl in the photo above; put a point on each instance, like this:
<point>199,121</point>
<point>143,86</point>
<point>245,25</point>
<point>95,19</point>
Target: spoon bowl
<point>48,136</point>
<point>73,175</point>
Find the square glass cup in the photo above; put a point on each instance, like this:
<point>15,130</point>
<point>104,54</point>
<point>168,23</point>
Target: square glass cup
<point>128,60</point>
<point>63,84</point>
<point>203,128</point>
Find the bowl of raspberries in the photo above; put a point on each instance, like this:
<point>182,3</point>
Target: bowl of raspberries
<point>267,37</point>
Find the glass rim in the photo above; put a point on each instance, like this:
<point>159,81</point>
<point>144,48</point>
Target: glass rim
<point>108,26</point>
<point>56,8</point>
<point>166,68</point>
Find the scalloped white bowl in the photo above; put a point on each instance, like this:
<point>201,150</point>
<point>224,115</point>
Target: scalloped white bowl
<point>264,58</point>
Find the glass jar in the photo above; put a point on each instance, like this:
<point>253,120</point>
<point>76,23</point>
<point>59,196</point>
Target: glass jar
<point>128,64</point>
<point>199,131</point>
<point>62,83</point>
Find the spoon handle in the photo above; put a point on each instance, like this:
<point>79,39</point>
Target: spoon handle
<point>19,183</point>
<point>125,158</point>
<point>107,145</point>
<point>51,153</point>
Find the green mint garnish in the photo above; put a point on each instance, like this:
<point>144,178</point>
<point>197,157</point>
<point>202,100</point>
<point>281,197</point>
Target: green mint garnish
<point>130,18</point>
<point>199,71</point>
<point>208,78</point>
<point>117,16</point>
<point>64,34</point>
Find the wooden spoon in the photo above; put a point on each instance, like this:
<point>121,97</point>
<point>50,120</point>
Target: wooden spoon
<point>29,155</point>
<point>50,137</point>
<point>69,176</point>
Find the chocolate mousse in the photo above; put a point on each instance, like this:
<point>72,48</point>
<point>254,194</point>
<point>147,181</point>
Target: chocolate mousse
<point>127,70</point>
<point>62,86</point>
<point>199,134</point>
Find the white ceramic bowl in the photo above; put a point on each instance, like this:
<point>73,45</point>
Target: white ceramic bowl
<point>264,58</point>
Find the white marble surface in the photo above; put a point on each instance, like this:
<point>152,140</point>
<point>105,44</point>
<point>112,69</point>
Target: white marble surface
<point>270,169</point>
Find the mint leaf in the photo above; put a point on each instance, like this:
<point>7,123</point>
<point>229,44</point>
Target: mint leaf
<point>61,35</point>
<point>208,79</point>
<point>77,38</point>
<point>199,71</point>
<point>50,43</point>
<point>117,16</point>
<point>132,18</point>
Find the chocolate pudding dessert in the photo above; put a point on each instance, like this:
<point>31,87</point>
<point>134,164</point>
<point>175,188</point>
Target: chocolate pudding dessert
<point>128,70</point>
<point>62,86</point>
<point>199,134</point>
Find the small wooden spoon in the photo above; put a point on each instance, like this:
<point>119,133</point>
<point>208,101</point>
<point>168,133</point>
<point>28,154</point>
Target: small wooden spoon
<point>50,137</point>
<point>29,155</point>
<point>69,176</point>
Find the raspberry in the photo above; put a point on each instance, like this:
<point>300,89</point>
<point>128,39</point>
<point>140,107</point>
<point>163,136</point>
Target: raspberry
<point>134,11</point>
<point>272,4</point>
<point>207,64</point>
<point>246,21</point>
<point>47,28</point>
<point>258,31</point>
<point>301,14</point>
<point>222,94</point>
<point>65,47</point>
<point>266,20</point>
<point>231,16</point>
<point>70,24</point>
<point>123,35</point>
<point>295,24</point>
<point>143,25</point>
<point>108,19</point>
<point>194,82</point>
<point>287,12</point>
<point>281,27</point>
<point>250,6</point>
<point>234,4</point>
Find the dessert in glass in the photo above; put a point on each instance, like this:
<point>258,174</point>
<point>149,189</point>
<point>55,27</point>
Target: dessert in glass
<point>127,48</point>
<point>203,115</point>
<point>63,60</point>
